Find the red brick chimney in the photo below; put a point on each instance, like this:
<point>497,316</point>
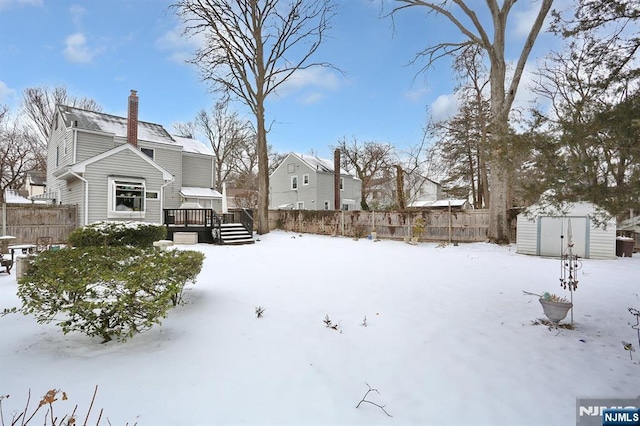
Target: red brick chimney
<point>132,119</point>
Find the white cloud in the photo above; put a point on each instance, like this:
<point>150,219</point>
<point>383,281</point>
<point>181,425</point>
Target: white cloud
<point>444,107</point>
<point>181,47</point>
<point>5,92</point>
<point>77,12</point>
<point>524,19</point>
<point>316,79</point>
<point>76,49</point>
<point>417,94</point>
<point>5,4</point>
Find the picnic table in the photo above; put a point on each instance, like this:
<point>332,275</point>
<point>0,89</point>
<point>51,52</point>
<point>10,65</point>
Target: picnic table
<point>24,248</point>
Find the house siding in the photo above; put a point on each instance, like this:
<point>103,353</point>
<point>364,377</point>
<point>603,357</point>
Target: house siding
<point>121,164</point>
<point>90,144</point>
<point>198,171</point>
<point>319,190</point>
<point>169,158</point>
<point>59,139</point>
<point>527,235</point>
<point>602,243</point>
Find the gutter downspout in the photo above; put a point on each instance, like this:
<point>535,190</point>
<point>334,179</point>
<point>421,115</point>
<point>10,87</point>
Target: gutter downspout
<point>162,198</point>
<point>86,196</point>
<point>75,144</point>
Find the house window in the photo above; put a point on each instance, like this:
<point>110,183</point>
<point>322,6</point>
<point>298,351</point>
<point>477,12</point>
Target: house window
<point>291,168</point>
<point>341,184</point>
<point>327,206</point>
<point>345,207</point>
<point>56,122</point>
<point>294,182</point>
<point>57,156</point>
<point>126,198</point>
<point>305,179</point>
<point>300,205</point>
<point>148,152</point>
<point>151,195</point>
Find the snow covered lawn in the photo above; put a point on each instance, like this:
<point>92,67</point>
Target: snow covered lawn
<point>449,340</point>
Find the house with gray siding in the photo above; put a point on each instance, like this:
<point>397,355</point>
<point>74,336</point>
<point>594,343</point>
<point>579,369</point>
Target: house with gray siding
<point>306,182</point>
<point>120,168</point>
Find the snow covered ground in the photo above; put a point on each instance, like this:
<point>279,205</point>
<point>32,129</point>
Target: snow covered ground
<point>449,340</point>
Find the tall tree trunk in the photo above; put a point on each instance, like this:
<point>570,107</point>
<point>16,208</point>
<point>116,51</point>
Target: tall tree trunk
<point>498,143</point>
<point>263,172</point>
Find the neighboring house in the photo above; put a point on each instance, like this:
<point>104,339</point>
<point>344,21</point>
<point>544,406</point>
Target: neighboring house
<point>117,168</point>
<point>306,182</point>
<point>423,193</point>
<point>36,183</point>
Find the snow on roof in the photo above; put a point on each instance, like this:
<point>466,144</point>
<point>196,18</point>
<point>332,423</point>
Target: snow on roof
<point>12,197</point>
<point>192,145</point>
<point>320,164</point>
<point>195,192</point>
<point>100,122</point>
<point>446,203</point>
<point>439,203</point>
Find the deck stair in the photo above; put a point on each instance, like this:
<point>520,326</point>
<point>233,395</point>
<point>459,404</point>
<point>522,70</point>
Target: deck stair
<point>235,234</point>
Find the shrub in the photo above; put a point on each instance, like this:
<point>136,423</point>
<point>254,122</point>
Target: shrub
<point>138,234</point>
<point>111,292</point>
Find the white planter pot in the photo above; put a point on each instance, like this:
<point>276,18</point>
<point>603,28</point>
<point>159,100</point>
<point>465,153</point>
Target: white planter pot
<point>555,311</point>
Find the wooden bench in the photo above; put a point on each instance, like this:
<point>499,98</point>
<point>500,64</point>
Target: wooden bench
<point>5,264</point>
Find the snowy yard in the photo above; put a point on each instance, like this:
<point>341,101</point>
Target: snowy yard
<point>449,340</point>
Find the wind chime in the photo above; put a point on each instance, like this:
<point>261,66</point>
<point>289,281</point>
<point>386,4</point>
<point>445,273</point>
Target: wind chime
<point>569,266</point>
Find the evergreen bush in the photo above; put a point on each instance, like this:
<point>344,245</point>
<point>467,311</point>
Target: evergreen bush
<point>137,234</point>
<point>111,292</point>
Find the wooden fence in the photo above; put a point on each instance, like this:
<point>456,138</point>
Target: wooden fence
<point>27,222</point>
<point>439,225</point>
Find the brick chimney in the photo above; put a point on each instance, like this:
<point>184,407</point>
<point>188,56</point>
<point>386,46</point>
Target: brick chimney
<point>132,119</point>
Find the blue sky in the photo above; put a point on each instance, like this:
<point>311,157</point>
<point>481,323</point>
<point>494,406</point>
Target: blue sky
<point>103,49</point>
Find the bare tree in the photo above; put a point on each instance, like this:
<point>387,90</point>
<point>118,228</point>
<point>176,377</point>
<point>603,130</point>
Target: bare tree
<point>227,134</point>
<point>460,14</point>
<point>252,47</point>
<point>372,163</point>
<point>16,154</point>
<point>186,130</point>
<point>38,106</point>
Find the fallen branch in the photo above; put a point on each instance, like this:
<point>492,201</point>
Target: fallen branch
<point>364,399</point>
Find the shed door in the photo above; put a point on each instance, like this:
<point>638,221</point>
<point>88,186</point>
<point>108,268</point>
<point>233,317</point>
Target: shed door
<point>551,228</point>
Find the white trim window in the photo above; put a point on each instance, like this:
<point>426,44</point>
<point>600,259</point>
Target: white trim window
<point>305,179</point>
<point>149,152</point>
<point>294,183</point>
<point>327,205</point>
<point>300,205</point>
<point>126,198</point>
<point>341,184</point>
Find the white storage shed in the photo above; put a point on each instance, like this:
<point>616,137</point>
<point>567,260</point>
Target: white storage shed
<point>543,231</point>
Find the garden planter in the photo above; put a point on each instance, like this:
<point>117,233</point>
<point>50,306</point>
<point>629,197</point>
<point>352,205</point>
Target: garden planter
<point>555,311</point>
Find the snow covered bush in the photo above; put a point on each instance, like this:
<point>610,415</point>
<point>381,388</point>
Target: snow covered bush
<point>117,234</point>
<point>111,292</point>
